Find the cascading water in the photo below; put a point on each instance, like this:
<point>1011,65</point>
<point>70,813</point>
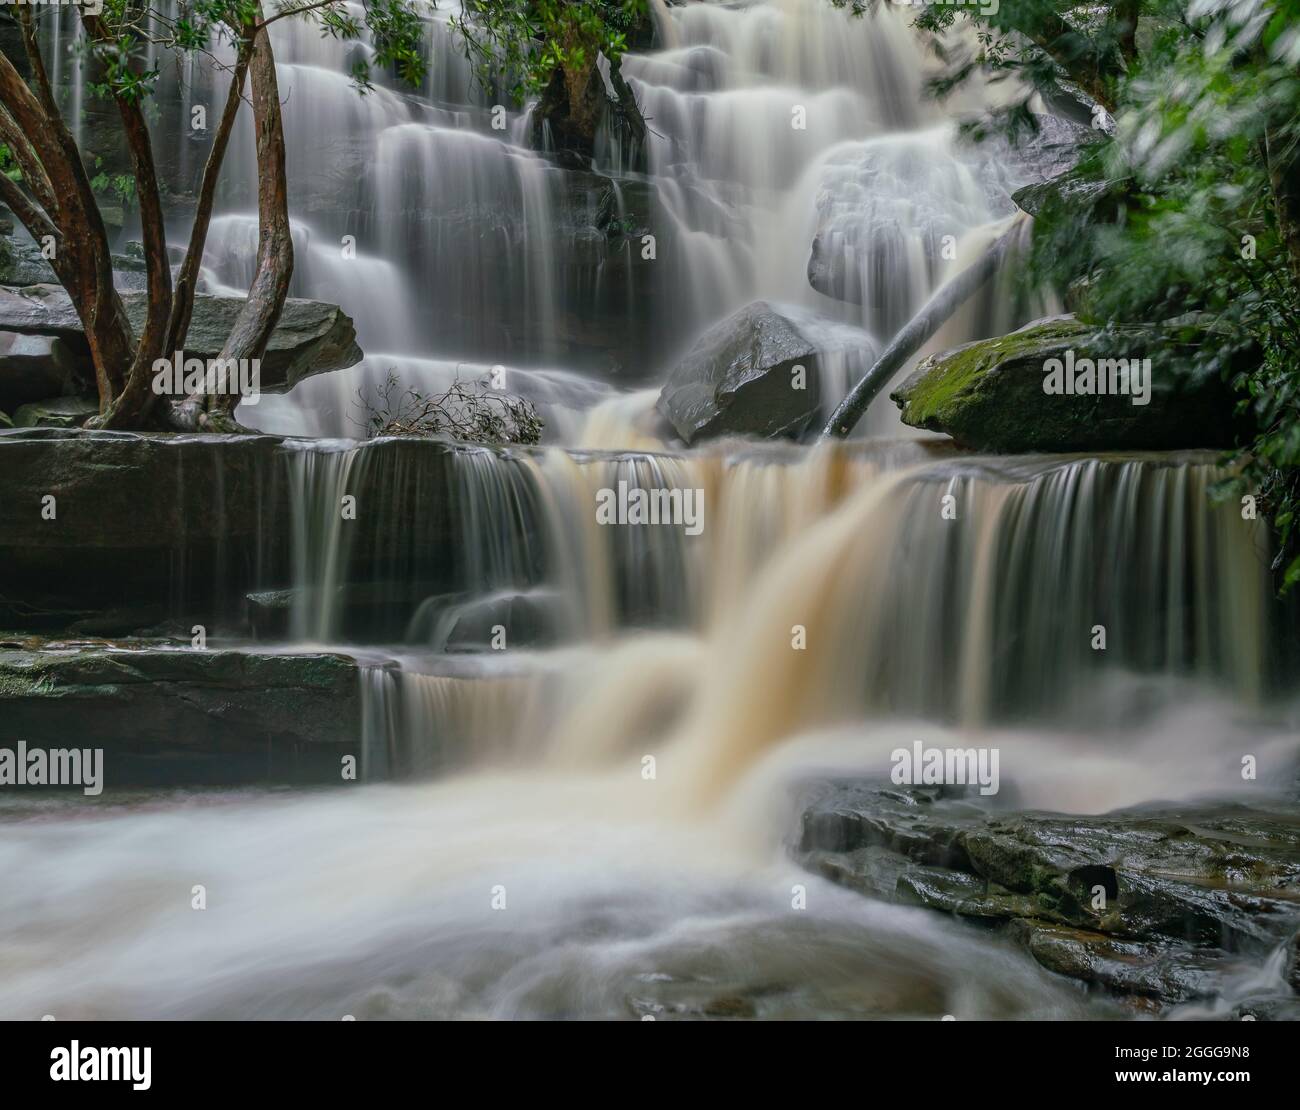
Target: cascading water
<point>523,661</point>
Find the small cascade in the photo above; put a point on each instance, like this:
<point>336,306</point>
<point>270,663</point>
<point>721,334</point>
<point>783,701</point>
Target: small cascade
<point>449,195</point>
<point>923,585</point>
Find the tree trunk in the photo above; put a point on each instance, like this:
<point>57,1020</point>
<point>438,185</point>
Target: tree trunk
<point>933,315</point>
<point>274,266</point>
<point>47,156</point>
<point>187,279</point>
<point>132,405</point>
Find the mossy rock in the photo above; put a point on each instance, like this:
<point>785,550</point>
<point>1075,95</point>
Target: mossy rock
<point>990,395</point>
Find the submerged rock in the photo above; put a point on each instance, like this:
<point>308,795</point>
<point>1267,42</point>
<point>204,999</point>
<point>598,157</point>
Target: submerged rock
<point>1156,904</point>
<point>312,337</point>
<point>164,713</point>
<point>740,379</point>
<point>991,395</point>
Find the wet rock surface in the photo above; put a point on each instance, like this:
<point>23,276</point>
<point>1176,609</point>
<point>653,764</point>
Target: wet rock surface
<point>1157,905</point>
<point>166,713</point>
<point>737,379</point>
<point>311,337</point>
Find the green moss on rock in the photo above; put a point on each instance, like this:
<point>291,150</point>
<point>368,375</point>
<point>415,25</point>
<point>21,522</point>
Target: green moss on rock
<point>989,395</point>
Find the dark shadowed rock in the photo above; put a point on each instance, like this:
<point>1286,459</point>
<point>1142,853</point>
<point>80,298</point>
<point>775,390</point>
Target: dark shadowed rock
<point>311,337</point>
<point>1082,196</point>
<point>164,712</point>
<point>185,527</point>
<point>738,379</point>
<point>33,367</point>
<point>23,264</point>
<point>990,395</point>
<point>57,412</point>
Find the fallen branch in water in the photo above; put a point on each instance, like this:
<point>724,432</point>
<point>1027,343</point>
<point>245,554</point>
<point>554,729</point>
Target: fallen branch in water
<point>932,316</point>
<point>472,412</point>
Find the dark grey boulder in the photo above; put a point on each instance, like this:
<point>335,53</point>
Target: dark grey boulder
<point>56,412</point>
<point>739,378</point>
<point>1082,196</point>
<point>23,264</point>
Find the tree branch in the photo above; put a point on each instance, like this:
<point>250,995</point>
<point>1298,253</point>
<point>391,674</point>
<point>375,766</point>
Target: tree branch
<point>75,211</point>
<point>136,396</point>
<point>26,209</point>
<point>187,280</point>
<point>933,314</point>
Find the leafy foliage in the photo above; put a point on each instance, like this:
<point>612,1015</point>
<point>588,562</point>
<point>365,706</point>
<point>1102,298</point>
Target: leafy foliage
<point>1184,207</point>
<point>527,41</point>
<point>395,29</point>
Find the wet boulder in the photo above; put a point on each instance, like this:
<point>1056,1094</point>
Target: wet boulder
<point>741,378</point>
<point>23,264</point>
<point>1059,385</point>
<point>530,618</point>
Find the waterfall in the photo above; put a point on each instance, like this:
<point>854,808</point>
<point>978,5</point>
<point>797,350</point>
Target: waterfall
<point>987,615</point>
<point>791,157</point>
<point>582,731</point>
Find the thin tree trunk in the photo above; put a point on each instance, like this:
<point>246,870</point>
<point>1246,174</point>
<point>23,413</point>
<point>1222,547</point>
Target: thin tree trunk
<point>132,405</point>
<point>252,329</point>
<point>932,316</point>
<point>187,279</point>
<point>1127,13</point>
